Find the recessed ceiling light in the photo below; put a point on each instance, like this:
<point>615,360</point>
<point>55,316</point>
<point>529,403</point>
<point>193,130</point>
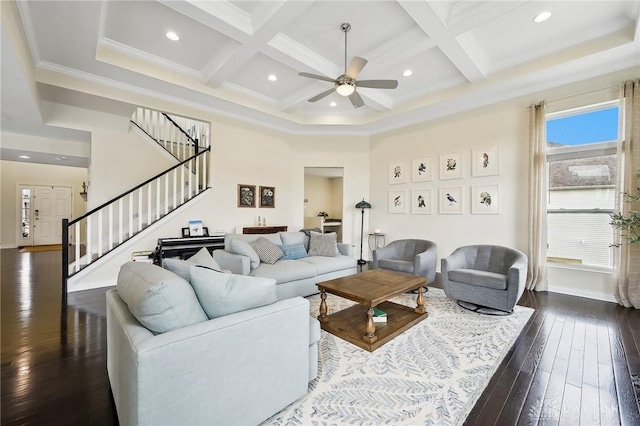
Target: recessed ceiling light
<point>272,77</point>
<point>333,103</point>
<point>171,35</point>
<point>61,158</point>
<point>542,16</point>
<point>26,157</point>
<point>407,73</point>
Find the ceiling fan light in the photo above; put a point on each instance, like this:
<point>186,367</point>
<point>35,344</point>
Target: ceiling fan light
<point>345,89</point>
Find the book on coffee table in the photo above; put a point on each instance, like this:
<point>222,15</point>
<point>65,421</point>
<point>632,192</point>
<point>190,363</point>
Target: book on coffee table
<point>379,315</point>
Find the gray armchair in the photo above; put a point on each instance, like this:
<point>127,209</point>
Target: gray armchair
<point>417,257</point>
<point>485,275</point>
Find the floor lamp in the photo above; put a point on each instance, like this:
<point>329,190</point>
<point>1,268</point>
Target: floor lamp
<point>362,205</point>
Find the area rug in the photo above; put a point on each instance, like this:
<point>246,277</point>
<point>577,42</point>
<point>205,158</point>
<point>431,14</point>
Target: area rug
<point>432,374</point>
<point>34,249</point>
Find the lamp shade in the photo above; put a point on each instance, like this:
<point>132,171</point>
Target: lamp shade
<point>363,205</point>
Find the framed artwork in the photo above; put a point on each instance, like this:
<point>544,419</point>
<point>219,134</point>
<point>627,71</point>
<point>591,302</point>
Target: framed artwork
<point>246,195</point>
<point>421,202</point>
<point>485,162</point>
<point>451,165</point>
<point>422,169</point>
<point>268,196</point>
<point>485,199</point>
<point>397,201</point>
<point>450,200</point>
<point>398,172</point>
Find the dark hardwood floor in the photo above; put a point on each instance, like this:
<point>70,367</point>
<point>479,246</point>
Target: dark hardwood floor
<point>574,363</point>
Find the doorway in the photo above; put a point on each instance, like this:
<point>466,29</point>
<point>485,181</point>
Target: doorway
<point>323,199</point>
<point>40,213</point>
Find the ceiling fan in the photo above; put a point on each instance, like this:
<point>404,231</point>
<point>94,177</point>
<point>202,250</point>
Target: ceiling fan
<point>346,84</point>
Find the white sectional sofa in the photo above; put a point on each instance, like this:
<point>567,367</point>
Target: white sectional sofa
<point>293,277</point>
<point>168,363</point>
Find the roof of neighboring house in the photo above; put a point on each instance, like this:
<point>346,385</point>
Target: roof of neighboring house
<point>594,171</point>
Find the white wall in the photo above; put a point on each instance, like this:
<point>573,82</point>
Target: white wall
<point>120,160</point>
<point>13,172</point>
<point>503,126</point>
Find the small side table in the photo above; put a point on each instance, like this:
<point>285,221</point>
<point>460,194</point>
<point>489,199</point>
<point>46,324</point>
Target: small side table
<point>375,241</point>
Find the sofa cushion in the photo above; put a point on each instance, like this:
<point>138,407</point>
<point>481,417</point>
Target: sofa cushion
<point>159,299</point>
<point>293,251</point>
<point>284,271</point>
<point>295,238</point>
<point>267,251</point>
<point>323,244</point>
<point>181,267</point>
<point>325,265</point>
<point>396,265</point>
<point>239,246</point>
<point>479,278</point>
<point>223,294</point>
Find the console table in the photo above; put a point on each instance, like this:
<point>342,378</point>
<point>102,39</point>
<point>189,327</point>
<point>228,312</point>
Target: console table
<point>263,229</point>
<point>186,247</point>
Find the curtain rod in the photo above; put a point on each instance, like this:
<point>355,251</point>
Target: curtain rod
<point>583,93</point>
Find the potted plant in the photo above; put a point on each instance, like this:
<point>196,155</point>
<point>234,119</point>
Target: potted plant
<point>628,224</point>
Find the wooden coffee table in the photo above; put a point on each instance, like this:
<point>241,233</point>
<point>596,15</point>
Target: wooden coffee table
<point>371,289</point>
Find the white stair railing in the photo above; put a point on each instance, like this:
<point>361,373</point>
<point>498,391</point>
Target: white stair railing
<point>107,226</point>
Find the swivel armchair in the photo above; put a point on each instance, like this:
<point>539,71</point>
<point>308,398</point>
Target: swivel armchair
<point>480,276</point>
<point>416,257</point>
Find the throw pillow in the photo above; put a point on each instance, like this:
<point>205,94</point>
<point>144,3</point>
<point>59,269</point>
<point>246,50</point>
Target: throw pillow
<point>267,251</point>
<point>293,251</point>
<point>242,247</point>
<point>323,244</point>
<point>159,299</point>
<point>181,267</point>
<point>224,294</point>
<point>292,237</point>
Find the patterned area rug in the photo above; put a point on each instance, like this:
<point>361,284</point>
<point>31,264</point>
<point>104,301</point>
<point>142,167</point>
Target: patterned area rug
<point>432,374</point>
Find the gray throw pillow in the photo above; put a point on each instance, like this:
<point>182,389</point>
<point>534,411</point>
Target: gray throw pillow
<point>323,244</point>
<point>159,299</point>
<point>267,251</point>
<point>181,267</point>
<point>242,247</point>
<point>223,294</point>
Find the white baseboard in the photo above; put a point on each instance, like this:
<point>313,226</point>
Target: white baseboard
<point>583,293</point>
<point>8,246</point>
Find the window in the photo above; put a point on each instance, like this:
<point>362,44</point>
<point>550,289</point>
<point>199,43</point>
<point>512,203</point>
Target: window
<point>581,173</point>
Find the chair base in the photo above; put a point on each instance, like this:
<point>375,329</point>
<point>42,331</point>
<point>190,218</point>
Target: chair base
<point>482,309</point>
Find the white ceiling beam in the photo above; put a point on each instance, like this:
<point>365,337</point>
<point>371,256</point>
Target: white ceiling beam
<point>280,17</point>
<point>407,45</point>
<point>427,19</point>
<point>301,58</point>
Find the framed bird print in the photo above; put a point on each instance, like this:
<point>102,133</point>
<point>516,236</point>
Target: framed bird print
<point>398,171</point>
<point>422,169</point>
<point>397,201</point>
<point>450,200</point>
<point>421,201</point>
<point>451,165</point>
<point>485,199</point>
<point>485,162</point>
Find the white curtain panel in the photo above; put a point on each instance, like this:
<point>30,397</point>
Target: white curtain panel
<point>536,277</point>
<point>627,257</point>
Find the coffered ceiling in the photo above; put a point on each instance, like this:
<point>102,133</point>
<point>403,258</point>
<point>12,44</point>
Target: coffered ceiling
<point>462,54</point>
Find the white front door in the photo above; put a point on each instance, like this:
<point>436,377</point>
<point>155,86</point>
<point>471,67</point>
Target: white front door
<point>51,204</point>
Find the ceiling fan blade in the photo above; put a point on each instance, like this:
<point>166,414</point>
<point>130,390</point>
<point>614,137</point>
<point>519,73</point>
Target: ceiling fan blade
<point>317,77</point>
<point>322,95</point>
<point>378,84</point>
<point>356,100</point>
<point>355,66</point>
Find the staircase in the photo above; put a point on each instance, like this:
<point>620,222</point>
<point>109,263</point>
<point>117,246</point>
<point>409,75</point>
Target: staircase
<point>89,238</point>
